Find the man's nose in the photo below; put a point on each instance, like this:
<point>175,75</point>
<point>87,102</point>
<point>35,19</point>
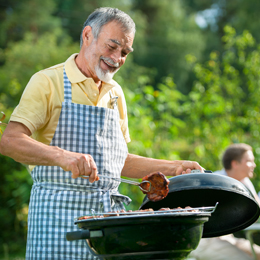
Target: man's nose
<point>116,57</point>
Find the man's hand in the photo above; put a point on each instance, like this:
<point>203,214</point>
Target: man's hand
<point>17,144</point>
<point>80,164</point>
<point>187,166</point>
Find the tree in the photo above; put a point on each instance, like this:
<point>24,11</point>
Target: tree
<point>221,109</point>
<point>223,101</point>
<point>18,17</point>
<point>170,34</point>
<point>215,15</point>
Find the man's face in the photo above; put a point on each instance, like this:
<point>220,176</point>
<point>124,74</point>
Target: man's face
<point>106,54</point>
<point>247,164</point>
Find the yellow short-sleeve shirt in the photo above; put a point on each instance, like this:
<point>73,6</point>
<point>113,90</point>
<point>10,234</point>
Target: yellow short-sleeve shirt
<point>40,105</point>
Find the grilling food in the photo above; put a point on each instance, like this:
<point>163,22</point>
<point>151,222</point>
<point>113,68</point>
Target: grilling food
<point>159,186</point>
<point>138,212</point>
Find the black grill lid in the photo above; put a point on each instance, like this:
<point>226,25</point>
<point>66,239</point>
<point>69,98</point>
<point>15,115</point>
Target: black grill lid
<point>237,208</point>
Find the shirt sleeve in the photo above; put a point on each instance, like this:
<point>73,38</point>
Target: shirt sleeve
<point>35,107</point>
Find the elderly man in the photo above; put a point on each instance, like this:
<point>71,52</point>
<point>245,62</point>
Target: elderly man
<point>72,122</point>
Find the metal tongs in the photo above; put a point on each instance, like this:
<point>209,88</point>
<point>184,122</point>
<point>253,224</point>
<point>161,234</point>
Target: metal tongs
<point>126,181</point>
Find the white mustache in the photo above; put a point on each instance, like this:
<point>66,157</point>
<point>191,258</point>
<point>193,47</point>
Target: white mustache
<point>110,61</point>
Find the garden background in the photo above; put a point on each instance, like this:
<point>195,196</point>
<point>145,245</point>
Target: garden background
<point>192,85</point>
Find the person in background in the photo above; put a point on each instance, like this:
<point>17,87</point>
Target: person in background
<point>72,122</point>
<point>239,163</point>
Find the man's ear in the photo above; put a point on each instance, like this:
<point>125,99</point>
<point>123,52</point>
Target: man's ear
<point>87,35</point>
<point>234,164</point>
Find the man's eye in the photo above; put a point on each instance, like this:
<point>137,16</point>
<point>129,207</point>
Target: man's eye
<point>111,47</point>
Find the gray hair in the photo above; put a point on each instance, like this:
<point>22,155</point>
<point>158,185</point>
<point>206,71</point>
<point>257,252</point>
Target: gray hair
<point>104,15</point>
<point>234,152</point>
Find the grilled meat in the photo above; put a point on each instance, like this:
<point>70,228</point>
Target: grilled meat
<point>158,189</point>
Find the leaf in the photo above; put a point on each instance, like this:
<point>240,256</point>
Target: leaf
<point>3,117</point>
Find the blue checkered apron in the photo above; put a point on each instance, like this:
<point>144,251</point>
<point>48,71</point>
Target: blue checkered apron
<point>56,199</point>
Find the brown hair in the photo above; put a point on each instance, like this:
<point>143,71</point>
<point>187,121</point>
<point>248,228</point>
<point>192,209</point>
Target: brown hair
<point>234,152</point>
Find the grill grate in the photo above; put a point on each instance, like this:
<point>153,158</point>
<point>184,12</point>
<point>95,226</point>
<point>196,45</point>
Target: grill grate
<point>176,211</point>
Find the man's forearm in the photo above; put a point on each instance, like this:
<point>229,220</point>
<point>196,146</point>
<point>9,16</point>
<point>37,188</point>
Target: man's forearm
<point>138,166</point>
<point>17,144</point>
<point>26,150</point>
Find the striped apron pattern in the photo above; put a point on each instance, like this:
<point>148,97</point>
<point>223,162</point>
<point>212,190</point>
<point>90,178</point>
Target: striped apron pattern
<point>57,199</point>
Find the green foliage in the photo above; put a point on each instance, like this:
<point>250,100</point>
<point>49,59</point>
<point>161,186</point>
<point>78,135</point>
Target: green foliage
<point>224,101</point>
<point>28,56</point>
<point>73,13</point>
<point>18,17</point>
<point>169,34</point>
<point>222,108</point>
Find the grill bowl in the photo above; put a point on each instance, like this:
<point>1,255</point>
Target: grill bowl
<point>158,236</point>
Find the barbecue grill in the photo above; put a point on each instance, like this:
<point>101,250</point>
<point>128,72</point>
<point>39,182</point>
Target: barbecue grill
<point>171,234</point>
<point>163,234</point>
